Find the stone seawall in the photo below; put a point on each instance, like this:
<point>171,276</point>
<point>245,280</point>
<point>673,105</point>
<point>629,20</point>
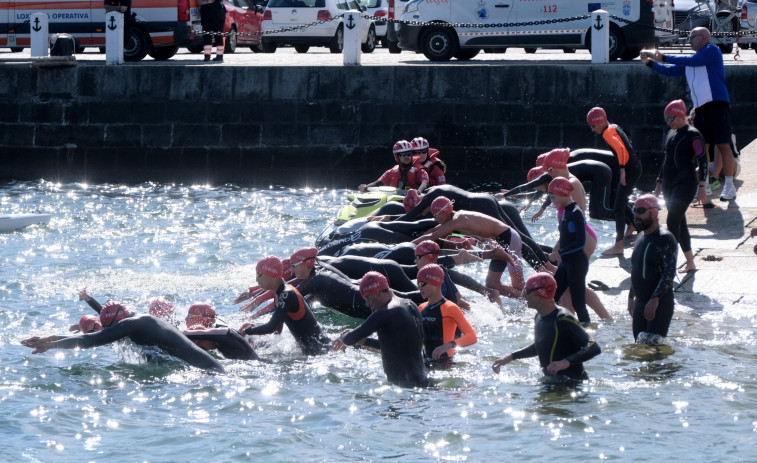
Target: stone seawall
<point>323,126</point>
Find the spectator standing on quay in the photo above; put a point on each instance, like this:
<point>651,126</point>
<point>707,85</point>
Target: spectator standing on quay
<point>630,171</point>
<point>705,74</point>
<point>212,19</point>
<point>560,342</point>
<point>404,174</point>
<point>653,267</point>
<point>684,150</point>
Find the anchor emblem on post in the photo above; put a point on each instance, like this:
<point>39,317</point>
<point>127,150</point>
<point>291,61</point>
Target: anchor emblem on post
<point>599,24</point>
<point>36,27</point>
<point>112,26</point>
<point>350,22</point>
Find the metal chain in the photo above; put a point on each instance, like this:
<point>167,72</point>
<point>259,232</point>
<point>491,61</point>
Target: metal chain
<point>685,33</point>
<point>298,27</point>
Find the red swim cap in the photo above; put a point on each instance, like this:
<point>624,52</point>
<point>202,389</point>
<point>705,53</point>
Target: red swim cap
<point>113,312</point>
<point>557,158</point>
<point>270,266</point>
<point>540,159</point>
<point>431,274</point>
<point>546,284</point>
<point>441,205</point>
<point>560,186</point>
<point>596,116</point>
<point>535,173</point>
<point>286,266</point>
<point>87,323</point>
<point>200,314</point>
<point>161,308</point>
<point>412,198</point>
<point>372,283</point>
<point>428,249</point>
<point>304,256</point>
<point>649,201</point>
<point>675,108</point>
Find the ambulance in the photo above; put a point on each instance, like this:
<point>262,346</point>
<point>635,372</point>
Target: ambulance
<point>158,27</point>
<point>498,24</point>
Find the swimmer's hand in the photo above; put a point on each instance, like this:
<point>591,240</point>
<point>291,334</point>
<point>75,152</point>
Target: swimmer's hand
<point>501,194</point>
<point>557,366</point>
<point>39,345</point>
<point>74,327</point>
<point>362,188</point>
<point>463,304</point>
<point>702,195</point>
<point>250,306</point>
<point>243,296</point>
<point>242,329</point>
<point>465,257</point>
<point>83,296</point>
<point>502,361</point>
<point>441,350</point>
<point>651,308</point>
<point>536,216</point>
<point>337,344</point>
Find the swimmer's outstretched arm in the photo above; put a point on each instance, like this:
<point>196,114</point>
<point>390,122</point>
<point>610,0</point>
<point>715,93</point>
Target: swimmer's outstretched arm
<point>83,296</point>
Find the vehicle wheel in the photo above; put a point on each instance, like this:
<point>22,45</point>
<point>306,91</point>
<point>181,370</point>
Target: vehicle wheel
<point>568,50</point>
<point>163,53</point>
<point>302,48</point>
<point>370,41</point>
<point>530,50</point>
<point>17,49</point>
<point>630,54</point>
<point>466,54</point>
<point>337,43</point>
<point>195,48</point>
<point>256,48</point>
<point>617,43</point>
<point>732,26</point>
<point>267,47</point>
<point>231,41</point>
<point>393,47</point>
<point>439,43</point>
<point>136,44</point>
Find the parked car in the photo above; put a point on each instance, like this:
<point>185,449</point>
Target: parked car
<point>244,17</point>
<point>379,11</point>
<point>748,24</point>
<point>322,30</point>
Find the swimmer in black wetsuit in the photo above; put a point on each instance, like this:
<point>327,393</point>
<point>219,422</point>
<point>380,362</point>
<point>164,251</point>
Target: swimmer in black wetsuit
<point>560,341</point>
<point>227,341</point>
<point>144,330</point>
<point>400,333</point>
<point>574,264</point>
<point>382,232</point>
<point>290,309</point>
<point>653,268</point>
<point>684,151</point>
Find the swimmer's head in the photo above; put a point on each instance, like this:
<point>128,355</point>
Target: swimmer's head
<point>89,324</point>
<point>304,256</point>
<point>270,266</point>
<point>535,173</point>
<point>412,198</point>
<point>648,202</point>
<point>427,250</point>
<point>372,283</point>
<point>441,205</point>
<point>432,274</point>
<point>201,314</point>
<point>542,285</point>
<point>557,158</point>
<point>560,186</point>
<point>112,312</point>
<point>402,149</point>
<point>676,108</point>
<point>286,268</point>
<point>541,159</point>
<point>161,308</point>
<point>596,116</point>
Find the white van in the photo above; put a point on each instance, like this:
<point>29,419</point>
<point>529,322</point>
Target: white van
<point>158,26</point>
<point>478,24</point>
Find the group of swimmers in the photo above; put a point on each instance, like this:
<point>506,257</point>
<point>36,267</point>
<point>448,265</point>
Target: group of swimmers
<point>395,269</point>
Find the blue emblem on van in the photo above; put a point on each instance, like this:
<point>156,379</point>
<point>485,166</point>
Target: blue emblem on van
<point>626,10</point>
<point>594,7</point>
<point>482,14</point>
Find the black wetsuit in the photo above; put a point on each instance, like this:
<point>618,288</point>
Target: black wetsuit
<point>335,292</point>
<point>227,341</point>
<point>632,165</point>
<point>391,208</point>
<point>653,268</point>
<point>292,310</point>
<point>400,336</point>
<point>574,265</point>
<point>382,232</point>
<point>146,330</point>
<point>684,150</point>
<point>402,253</point>
<point>559,336</point>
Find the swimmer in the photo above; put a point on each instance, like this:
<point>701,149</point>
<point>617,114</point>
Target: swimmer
<point>400,333</point>
<point>229,343</point>
<point>630,171</point>
<point>441,318</point>
<point>290,309</point>
<point>560,342</point>
<point>653,268</point>
<point>144,330</point>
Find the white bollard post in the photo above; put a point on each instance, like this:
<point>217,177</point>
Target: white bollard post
<point>600,37</point>
<point>114,37</point>
<point>40,37</point>
<point>352,25</point>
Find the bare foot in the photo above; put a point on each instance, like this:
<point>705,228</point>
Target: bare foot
<point>616,250</point>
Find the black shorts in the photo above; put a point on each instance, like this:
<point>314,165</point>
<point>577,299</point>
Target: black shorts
<point>713,120</point>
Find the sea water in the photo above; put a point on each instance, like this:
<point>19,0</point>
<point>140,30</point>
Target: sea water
<point>201,243</point>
